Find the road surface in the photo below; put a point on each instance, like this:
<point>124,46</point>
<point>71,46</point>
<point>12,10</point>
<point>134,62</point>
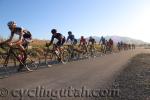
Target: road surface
<point>95,73</point>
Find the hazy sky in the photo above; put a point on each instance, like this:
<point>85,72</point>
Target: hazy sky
<point>129,18</point>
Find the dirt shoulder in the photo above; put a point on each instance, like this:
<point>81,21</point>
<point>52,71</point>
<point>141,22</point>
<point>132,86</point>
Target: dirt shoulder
<point>134,81</point>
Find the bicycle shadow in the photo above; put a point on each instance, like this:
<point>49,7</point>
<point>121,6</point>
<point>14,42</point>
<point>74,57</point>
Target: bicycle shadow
<point>13,70</point>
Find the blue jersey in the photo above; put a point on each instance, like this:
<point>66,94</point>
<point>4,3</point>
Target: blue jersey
<point>103,40</point>
<point>71,37</point>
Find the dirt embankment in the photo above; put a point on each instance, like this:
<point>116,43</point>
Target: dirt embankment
<point>134,81</point>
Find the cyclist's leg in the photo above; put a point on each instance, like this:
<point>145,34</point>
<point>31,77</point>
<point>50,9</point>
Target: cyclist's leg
<point>61,55</point>
<point>103,48</point>
<point>62,43</point>
<point>93,49</point>
<point>58,45</point>
<point>24,56</point>
<point>58,49</point>
<point>86,48</point>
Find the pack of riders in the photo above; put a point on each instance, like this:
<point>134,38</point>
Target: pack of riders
<point>25,37</point>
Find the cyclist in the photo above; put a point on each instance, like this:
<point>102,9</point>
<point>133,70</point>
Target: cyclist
<point>111,41</point>
<point>129,46</point>
<point>61,40</point>
<point>83,43</point>
<point>91,40</point>
<point>103,44</point>
<point>133,46</point>
<point>25,38</point>
<point>91,44</point>
<point>71,38</point>
<point>119,46</point>
<point>107,44</point>
<point>71,47</point>
<point>102,41</point>
<point>111,44</point>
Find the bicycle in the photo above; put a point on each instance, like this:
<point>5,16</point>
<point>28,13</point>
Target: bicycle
<point>29,64</point>
<point>3,55</point>
<point>55,55</point>
<point>91,50</point>
<point>73,52</point>
<point>109,48</point>
<point>103,48</point>
<point>83,51</point>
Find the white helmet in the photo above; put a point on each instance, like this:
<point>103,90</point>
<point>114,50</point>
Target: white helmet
<point>10,23</point>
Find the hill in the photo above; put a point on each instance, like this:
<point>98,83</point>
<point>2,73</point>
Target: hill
<point>124,39</point>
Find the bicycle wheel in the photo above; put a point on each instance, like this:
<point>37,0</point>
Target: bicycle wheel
<point>65,56</point>
<point>31,65</point>
<point>104,48</point>
<point>4,72</point>
<point>46,56</point>
<point>1,60</point>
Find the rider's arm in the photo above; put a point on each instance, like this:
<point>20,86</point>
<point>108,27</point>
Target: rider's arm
<point>52,39</point>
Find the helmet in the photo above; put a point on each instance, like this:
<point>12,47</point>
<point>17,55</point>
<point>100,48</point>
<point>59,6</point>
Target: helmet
<point>82,37</point>
<point>90,37</point>
<point>53,31</point>
<point>10,23</point>
<point>69,32</point>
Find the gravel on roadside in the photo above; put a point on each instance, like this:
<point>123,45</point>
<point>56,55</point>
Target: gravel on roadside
<point>134,80</point>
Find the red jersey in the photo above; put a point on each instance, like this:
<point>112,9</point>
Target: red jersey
<point>83,41</point>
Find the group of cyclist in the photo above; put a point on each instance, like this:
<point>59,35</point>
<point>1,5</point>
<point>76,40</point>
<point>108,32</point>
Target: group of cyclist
<point>106,44</point>
<point>125,46</point>
<point>25,37</point>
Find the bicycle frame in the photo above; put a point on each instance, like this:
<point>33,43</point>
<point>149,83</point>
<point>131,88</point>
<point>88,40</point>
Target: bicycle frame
<point>91,49</point>
<point>10,51</point>
<point>52,51</point>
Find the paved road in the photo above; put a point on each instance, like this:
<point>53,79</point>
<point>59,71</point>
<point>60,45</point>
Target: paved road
<point>93,73</point>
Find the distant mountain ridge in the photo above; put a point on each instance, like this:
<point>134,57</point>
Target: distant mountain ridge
<point>120,38</point>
